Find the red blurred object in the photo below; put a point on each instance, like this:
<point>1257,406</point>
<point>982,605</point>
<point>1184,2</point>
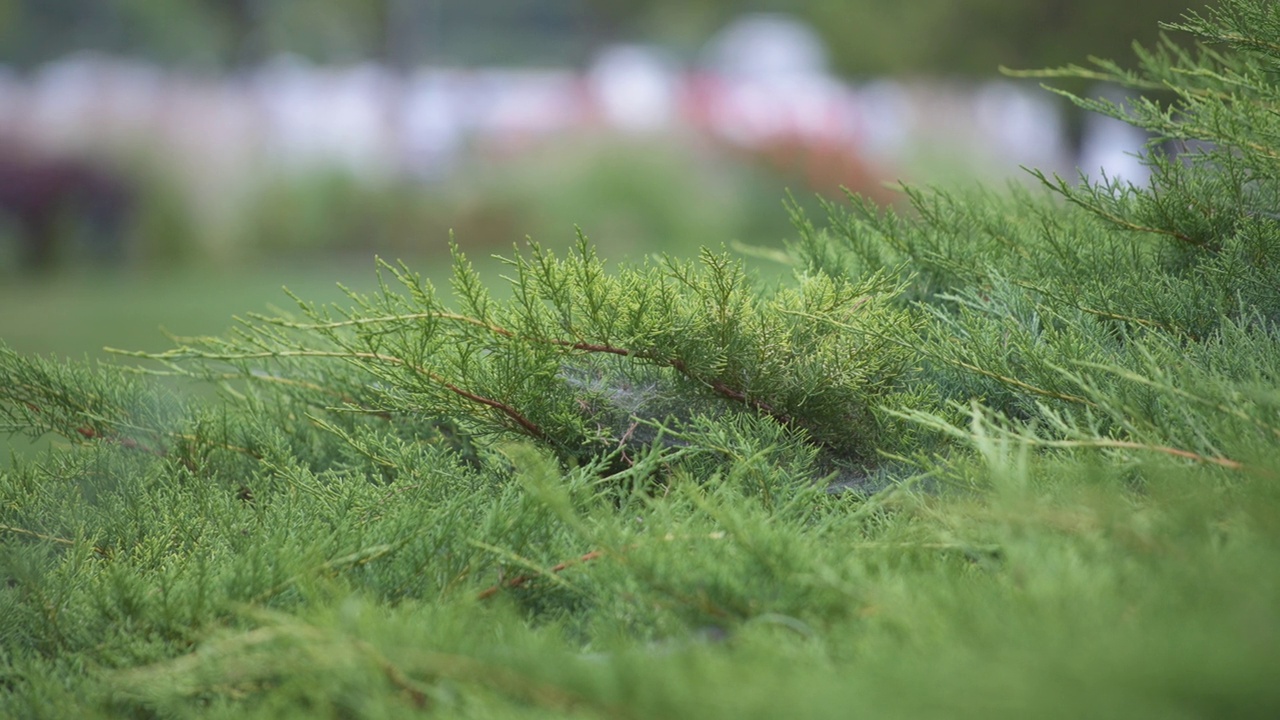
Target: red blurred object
<point>38,192</point>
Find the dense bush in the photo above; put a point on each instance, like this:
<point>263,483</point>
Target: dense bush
<point>992,456</point>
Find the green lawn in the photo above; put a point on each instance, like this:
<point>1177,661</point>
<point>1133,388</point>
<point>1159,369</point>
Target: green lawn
<point>75,315</point>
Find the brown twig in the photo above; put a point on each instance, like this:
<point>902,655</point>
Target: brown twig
<point>88,432</point>
<point>1163,449</point>
<point>522,579</point>
<point>676,364</point>
<point>37,535</point>
<point>529,426</point>
<point>99,550</point>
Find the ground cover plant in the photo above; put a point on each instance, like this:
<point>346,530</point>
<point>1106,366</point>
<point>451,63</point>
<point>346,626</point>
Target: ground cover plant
<point>1006,454</point>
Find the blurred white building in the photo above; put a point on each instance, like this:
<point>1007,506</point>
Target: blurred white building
<point>636,88</point>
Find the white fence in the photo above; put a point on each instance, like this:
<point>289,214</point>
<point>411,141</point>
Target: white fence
<point>371,120</point>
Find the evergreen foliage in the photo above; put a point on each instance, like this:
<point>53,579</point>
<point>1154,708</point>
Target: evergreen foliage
<point>1002,455</point>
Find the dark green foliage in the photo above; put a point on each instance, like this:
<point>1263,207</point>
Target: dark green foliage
<point>1146,321</point>
<point>578,358</point>
<point>1004,455</point>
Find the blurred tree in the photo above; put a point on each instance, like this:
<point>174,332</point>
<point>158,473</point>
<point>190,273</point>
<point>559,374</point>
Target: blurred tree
<point>328,30</point>
<point>872,37</point>
<point>195,33</point>
<point>240,32</point>
<point>35,30</point>
<point>866,37</point>
<point>877,37</point>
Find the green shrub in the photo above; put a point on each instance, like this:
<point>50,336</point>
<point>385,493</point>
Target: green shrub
<point>993,456</point>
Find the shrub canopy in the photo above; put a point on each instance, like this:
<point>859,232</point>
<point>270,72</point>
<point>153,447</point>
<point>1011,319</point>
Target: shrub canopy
<point>972,458</point>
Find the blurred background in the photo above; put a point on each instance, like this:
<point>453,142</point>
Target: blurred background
<point>168,163</point>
